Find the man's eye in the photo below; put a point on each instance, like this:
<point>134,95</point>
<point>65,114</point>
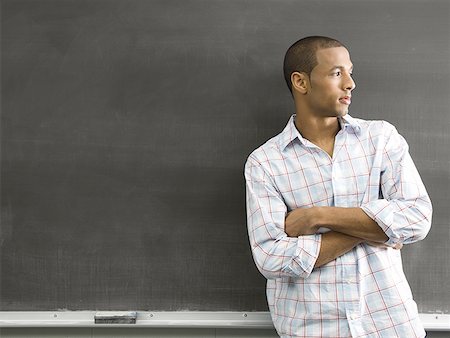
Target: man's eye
<point>337,73</point>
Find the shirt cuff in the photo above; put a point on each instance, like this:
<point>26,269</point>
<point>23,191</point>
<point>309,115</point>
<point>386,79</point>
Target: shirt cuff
<point>307,252</point>
<point>382,213</point>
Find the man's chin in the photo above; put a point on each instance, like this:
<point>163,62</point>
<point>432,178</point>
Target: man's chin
<point>342,113</point>
<point>338,114</point>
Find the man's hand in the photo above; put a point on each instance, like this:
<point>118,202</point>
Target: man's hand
<point>300,222</point>
<point>397,246</point>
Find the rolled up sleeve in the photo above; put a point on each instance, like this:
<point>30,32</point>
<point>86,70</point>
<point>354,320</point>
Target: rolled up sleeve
<point>274,253</point>
<point>405,211</point>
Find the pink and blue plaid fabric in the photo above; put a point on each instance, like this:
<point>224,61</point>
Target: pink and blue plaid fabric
<point>363,293</point>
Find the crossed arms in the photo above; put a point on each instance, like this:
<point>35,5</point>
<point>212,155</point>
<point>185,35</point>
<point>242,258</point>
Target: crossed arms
<point>288,244</point>
<point>350,227</point>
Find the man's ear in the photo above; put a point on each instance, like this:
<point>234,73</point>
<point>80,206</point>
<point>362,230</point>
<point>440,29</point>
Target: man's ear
<point>299,82</point>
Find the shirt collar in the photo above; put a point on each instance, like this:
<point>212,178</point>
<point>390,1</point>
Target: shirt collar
<point>291,132</point>
<point>348,121</point>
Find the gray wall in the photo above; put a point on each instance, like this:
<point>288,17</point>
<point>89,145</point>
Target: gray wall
<point>143,333</point>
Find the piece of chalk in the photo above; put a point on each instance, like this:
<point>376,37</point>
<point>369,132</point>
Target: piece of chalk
<point>114,317</point>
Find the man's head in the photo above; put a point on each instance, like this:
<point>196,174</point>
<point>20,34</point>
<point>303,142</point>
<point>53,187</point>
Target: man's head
<point>318,72</point>
<point>301,56</point>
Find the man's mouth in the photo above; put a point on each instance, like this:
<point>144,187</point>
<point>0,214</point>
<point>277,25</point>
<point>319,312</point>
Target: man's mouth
<point>346,100</point>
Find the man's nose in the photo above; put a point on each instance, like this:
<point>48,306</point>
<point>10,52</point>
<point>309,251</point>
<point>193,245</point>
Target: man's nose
<point>350,83</point>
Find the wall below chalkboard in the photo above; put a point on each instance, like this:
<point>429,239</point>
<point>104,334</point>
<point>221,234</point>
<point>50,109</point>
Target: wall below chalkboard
<point>156,333</point>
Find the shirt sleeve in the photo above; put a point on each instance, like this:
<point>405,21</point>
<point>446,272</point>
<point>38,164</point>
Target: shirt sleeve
<point>275,253</point>
<point>404,212</point>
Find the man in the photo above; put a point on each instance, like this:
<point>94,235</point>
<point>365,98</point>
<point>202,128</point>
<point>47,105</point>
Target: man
<point>330,201</point>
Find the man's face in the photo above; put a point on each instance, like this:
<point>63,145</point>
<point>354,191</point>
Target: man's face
<point>331,83</point>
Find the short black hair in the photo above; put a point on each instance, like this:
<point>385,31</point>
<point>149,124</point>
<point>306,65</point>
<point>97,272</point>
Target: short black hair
<point>301,56</point>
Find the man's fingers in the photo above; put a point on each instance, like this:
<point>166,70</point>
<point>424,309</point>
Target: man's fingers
<point>397,246</point>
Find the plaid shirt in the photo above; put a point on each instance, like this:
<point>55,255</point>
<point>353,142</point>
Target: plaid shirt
<point>363,293</point>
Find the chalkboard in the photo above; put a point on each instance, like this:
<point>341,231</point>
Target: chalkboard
<point>125,126</point>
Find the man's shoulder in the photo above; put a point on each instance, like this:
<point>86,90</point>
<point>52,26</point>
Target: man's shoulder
<point>365,123</point>
<point>374,127</point>
<point>273,148</point>
<point>267,151</point>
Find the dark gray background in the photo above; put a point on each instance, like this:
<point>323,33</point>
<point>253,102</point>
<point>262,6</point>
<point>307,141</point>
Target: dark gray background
<point>125,126</point>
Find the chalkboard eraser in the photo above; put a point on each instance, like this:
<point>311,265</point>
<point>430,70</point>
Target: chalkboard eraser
<point>114,317</point>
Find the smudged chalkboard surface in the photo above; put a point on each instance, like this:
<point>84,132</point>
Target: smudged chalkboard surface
<point>125,126</point>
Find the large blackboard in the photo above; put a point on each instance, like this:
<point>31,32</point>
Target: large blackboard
<point>125,126</point>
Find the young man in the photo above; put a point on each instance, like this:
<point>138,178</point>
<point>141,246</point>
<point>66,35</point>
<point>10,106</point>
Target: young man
<point>330,201</point>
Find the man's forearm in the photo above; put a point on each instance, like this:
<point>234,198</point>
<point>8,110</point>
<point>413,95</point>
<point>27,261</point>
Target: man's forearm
<point>350,227</point>
<point>333,245</point>
<point>350,221</point>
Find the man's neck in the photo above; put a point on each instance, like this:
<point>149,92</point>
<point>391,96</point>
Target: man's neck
<point>317,129</point>
<point>320,131</point>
